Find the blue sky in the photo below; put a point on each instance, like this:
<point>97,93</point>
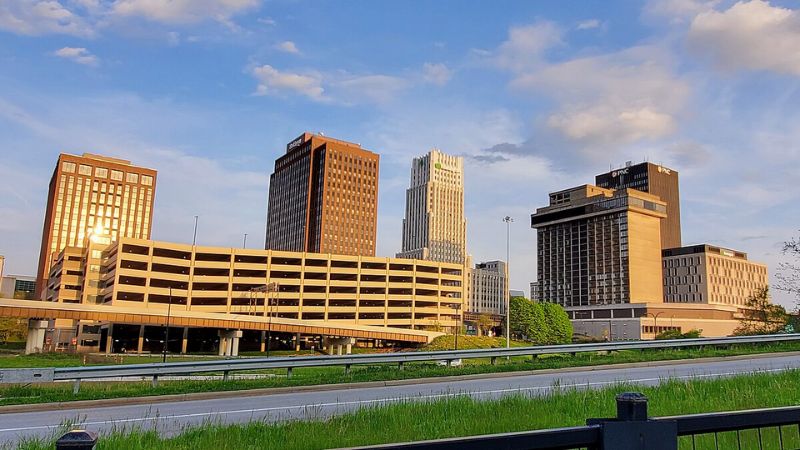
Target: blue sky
<point>535,95</point>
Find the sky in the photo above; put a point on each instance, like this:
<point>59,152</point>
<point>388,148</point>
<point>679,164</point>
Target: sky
<point>536,96</point>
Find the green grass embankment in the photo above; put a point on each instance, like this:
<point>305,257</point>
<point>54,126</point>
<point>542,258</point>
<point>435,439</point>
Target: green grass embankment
<point>462,416</point>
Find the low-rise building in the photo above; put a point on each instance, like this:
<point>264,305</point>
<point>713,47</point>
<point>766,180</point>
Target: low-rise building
<point>18,286</point>
<point>488,288</point>
<point>710,274</point>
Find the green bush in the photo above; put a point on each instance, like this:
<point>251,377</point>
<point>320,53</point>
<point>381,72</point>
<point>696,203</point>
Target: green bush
<point>676,334</point>
<point>558,325</point>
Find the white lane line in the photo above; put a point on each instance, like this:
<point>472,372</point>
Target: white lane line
<point>384,400</point>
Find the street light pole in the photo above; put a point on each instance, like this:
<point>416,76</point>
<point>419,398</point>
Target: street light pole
<point>194,238</point>
<point>244,244</point>
<point>166,330</point>
<point>508,220</point>
<point>458,323</point>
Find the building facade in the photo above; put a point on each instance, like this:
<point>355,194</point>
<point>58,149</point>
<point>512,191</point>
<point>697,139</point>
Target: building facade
<point>323,198</point>
<point>657,180</point>
<point>386,292</point>
<point>18,286</point>
<point>598,246</point>
<point>94,194</point>
<point>488,288</point>
<point>711,274</point>
<point>434,227</point>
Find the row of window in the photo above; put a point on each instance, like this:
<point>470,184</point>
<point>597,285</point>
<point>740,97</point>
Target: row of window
<point>102,172</point>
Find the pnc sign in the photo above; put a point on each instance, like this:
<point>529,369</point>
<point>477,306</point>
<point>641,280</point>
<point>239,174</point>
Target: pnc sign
<point>294,143</point>
<point>617,173</point>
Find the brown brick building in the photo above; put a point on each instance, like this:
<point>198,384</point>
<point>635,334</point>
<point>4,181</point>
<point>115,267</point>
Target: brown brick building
<point>92,193</point>
<point>323,198</point>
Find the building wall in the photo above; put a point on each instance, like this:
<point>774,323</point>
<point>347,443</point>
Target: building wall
<point>323,197</point>
<point>709,274</point>
<point>644,257</point>
<point>92,192</point>
<point>488,288</point>
<point>434,227</point>
<point>364,290</point>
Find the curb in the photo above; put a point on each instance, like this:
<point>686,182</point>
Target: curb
<point>195,396</point>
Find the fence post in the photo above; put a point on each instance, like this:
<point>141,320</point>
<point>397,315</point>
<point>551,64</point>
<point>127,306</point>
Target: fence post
<point>77,440</point>
<point>632,430</point>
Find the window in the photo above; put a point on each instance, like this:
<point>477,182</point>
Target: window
<point>147,180</point>
<point>85,170</point>
<point>101,172</point>
<point>68,167</point>
<point>133,178</point>
<point>116,175</point>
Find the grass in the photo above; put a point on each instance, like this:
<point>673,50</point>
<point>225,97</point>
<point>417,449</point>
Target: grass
<point>62,392</point>
<point>463,416</point>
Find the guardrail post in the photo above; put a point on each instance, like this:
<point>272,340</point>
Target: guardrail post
<point>632,430</point>
<point>400,365</point>
<point>288,372</point>
<point>347,369</point>
<point>226,375</point>
<point>77,440</point>
<point>155,381</point>
<point>494,360</point>
<point>76,386</point>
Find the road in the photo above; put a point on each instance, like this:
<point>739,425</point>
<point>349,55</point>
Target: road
<point>170,418</point>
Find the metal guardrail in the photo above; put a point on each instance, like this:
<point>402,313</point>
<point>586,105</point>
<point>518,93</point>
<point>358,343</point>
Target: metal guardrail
<point>632,429</point>
<point>156,370</point>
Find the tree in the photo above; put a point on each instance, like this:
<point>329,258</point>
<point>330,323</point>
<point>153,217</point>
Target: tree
<point>789,271</point>
<point>484,323</point>
<point>761,316</point>
<point>559,326</point>
<point>527,320</point>
<point>12,330</point>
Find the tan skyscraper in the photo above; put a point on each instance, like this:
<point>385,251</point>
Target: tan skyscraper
<point>434,227</point>
<point>92,193</point>
<point>323,198</point>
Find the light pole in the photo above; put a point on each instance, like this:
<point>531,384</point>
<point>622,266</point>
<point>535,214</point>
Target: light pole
<point>655,322</point>
<point>267,288</point>
<point>458,323</point>
<point>244,244</point>
<point>508,220</point>
<point>194,238</point>
<point>166,330</point>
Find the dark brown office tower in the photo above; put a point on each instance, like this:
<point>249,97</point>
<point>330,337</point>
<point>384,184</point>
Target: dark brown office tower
<point>92,194</point>
<point>653,179</point>
<point>323,198</point>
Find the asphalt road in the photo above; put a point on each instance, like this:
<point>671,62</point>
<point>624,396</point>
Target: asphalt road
<point>170,418</point>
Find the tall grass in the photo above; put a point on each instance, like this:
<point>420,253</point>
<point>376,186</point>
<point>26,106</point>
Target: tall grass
<point>463,416</point>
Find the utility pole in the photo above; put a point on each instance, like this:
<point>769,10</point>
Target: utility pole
<point>166,330</point>
<point>508,220</point>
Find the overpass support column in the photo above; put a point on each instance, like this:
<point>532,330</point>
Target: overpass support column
<point>36,330</point>
<point>140,344</point>
<point>297,342</point>
<point>110,339</point>
<point>235,336</point>
<point>185,341</point>
<point>263,341</point>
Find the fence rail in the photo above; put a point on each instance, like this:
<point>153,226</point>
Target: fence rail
<point>156,370</point>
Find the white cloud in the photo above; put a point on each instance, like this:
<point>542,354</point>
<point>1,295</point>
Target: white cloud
<point>367,88</point>
<point>525,46</point>
<point>39,17</point>
<point>676,12</point>
<point>288,47</point>
<point>589,24</point>
<point>750,35</point>
<point>77,54</point>
<point>271,80</point>
<point>183,11</point>
<point>629,95</point>
<point>437,74</point>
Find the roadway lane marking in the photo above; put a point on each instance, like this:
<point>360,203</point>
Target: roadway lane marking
<point>388,400</point>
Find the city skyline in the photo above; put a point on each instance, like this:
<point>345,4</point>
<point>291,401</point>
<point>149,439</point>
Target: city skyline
<point>532,128</point>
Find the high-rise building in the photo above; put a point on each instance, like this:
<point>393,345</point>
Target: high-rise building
<point>599,246</point>
<point>323,198</point>
<point>657,180</point>
<point>434,227</point>
<point>94,194</point>
<point>488,288</point>
<point>711,274</point>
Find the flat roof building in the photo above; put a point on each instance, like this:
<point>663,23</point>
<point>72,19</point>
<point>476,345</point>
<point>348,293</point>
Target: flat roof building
<point>323,198</point>
<point>434,227</point>
<point>384,292</point>
<point>710,274</point>
<point>654,179</point>
<point>598,246</point>
<point>93,193</point>
<point>488,288</point>
<point>17,286</point>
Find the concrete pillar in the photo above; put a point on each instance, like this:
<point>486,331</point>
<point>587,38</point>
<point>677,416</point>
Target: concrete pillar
<point>140,344</point>
<point>263,341</point>
<point>339,349</point>
<point>297,342</point>
<point>36,331</point>
<point>350,347</point>
<point>185,341</point>
<point>222,342</point>
<point>235,346</point>
<point>110,339</point>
